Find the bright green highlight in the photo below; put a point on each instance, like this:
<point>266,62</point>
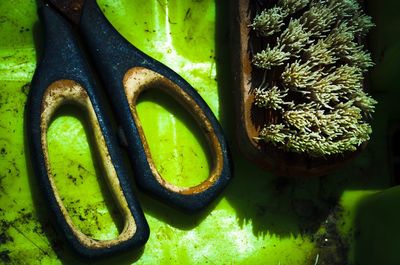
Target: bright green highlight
<point>78,175</point>
<point>178,148</point>
<point>178,33</point>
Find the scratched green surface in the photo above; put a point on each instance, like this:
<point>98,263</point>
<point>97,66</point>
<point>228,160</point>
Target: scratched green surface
<point>259,219</point>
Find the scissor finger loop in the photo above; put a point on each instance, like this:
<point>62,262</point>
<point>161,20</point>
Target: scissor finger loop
<point>64,92</point>
<point>139,79</point>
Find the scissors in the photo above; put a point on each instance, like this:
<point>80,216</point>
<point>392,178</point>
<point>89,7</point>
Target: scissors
<point>64,76</point>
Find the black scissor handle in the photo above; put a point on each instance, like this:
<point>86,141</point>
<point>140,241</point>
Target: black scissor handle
<point>63,77</point>
<point>126,72</point>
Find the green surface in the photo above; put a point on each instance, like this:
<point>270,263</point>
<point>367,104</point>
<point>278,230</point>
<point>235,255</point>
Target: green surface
<point>377,235</point>
<point>259,219</point>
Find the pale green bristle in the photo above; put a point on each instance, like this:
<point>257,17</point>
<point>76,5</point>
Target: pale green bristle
<point>318,19</point>
<point>272,98</point>
<point>294,38</point>
<point>320,53</point>
<point>269,58</point>
<point>292,6</point>
<point>316,60</point>
<point>268,22</point>
<point>299,75</point>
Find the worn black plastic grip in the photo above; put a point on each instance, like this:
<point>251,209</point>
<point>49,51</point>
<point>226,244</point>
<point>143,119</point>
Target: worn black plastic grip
<point>113,56</point>
<point>63,60</point>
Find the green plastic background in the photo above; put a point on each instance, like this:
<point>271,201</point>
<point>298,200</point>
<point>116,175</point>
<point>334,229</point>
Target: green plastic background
<point>259,219</point>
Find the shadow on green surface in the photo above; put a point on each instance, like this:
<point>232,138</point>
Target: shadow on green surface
<point>377,229</point>
<point>281,206</point>
<point>376,224</point>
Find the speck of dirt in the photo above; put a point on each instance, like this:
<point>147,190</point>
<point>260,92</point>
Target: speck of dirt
<point>332,248</point>
<point>25,88</point>
<point>5,257</point>
<point>188,14</point>
<point>73,179</point>
<point>4,238</point>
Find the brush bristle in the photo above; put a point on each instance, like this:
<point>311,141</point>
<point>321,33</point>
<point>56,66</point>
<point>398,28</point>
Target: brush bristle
<point>315,69</point>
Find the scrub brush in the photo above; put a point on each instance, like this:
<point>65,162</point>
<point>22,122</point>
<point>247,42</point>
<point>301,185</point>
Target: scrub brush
<point>303,107</point>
